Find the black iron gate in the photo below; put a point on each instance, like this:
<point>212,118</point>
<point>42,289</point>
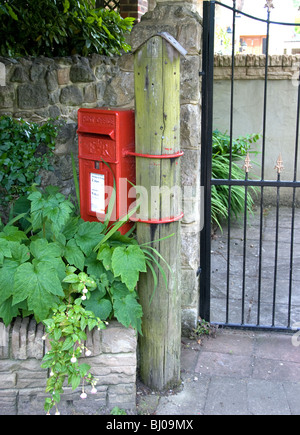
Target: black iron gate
<point>250,272</point>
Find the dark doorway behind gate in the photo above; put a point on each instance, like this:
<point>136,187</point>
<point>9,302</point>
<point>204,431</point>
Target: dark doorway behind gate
<point>250,267</point>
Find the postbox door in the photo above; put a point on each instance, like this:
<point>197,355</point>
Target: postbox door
<point>96,189</point>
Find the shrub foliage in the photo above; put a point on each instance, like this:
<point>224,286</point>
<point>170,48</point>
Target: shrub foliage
<point>60,28</point>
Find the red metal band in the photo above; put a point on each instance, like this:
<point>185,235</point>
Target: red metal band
<point>155,156</point>
<point>158,221</point>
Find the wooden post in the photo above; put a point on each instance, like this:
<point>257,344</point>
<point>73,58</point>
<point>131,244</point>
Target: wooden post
<point>157,127</point>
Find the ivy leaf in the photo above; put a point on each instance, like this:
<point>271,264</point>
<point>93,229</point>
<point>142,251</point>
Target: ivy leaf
<point>74,255</point>
<point>89,235</point>
<point>39,284</point>
<point>128,262</point>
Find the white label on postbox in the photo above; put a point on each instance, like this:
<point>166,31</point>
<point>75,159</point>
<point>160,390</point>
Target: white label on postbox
<point>97,193</point>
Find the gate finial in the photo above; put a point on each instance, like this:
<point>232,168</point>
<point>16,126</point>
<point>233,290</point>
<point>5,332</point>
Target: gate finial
<point>269,5</point>
<point>247,165</point>
<point>279,164</point>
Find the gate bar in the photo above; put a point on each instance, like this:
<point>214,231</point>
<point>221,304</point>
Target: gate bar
<point>206,153</point>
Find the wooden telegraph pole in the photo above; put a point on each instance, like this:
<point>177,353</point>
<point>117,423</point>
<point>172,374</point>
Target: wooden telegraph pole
<point>157,129</point>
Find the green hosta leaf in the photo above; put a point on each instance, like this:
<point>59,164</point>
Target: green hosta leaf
<point>128,312</point>
<point>39,284</point>
<point>128,262</point>
<point>74,255</point>
<point>88,235</point>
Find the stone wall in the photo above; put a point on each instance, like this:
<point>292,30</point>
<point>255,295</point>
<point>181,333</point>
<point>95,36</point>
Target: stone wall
<point>38,88</point>
<point>252,67</point>
<point>23,381</point>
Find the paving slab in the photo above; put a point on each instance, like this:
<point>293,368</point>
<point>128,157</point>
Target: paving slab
<point>237,373</point>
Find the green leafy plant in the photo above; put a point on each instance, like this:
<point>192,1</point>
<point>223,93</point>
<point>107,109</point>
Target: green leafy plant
<point>220,170</point>
<point>65,331</point>
<point>203,328</point>
<point>118,411</point>
<point>71,275</point>
<point>38,245</point>
<point>25,149</point>
<point>60,28</point>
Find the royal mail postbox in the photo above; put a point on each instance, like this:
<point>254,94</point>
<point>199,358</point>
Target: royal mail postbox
<point>105,137</point>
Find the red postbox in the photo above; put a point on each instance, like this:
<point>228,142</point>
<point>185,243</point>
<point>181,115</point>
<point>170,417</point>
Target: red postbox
<point>105,137</point>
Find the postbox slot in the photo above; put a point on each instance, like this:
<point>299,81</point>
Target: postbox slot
<point>97,121</point>
<point>97,165</point>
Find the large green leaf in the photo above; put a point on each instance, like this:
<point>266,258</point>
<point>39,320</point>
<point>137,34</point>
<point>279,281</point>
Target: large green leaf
<point>9,311</point>
<point>4,250</point>
<point>100,306</point>
<point>128,262</point>
<point>94,267</point>
<point>41,249</point>
<point>88,235</point>
<point>128,312</point>
<point>39,284</point>
<point>12,234</point>
<point>74,255</point>
<point>7,273</point>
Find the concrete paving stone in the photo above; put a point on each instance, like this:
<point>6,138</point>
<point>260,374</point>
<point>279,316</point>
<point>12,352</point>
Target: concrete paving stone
<point>277,347</point>
<point>235,343</point>
<point>267,398</point>
<point>292,391</point>
<point>226,396</point>
<point>190,401</point>
<point>225,364</point>
<point>275,370</point>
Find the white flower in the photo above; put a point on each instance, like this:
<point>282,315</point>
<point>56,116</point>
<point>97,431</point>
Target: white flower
<point>73,359</point>
<point>83,395</point>
<point>44,337</point>
<point>83,297</point>
<point>88,352</point>
<point>57,413</point>
<point>85,290</point>
<point>94,390</point>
